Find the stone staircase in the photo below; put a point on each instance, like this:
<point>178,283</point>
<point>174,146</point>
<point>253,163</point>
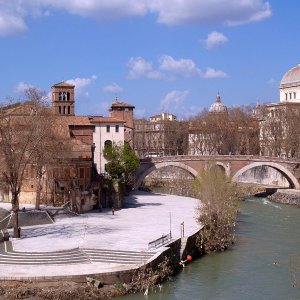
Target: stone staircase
<point>72,256</point>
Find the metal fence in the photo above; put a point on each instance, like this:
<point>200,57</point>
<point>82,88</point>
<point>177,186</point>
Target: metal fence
<point>159,242</point>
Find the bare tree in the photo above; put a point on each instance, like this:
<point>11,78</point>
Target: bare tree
<point>26,140</point>
<point>53,147</point>
<point>235,132</point>
<point>217,211</point>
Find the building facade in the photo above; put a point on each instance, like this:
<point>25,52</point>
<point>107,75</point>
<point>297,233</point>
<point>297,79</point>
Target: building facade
<point>162,135</point>
<point>78,174</point>
<point>280,122</point>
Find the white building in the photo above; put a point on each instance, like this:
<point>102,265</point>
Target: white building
<point>163,117</point>
<point>290,86</point>
<point>279,122</point>
<point>107,131</point>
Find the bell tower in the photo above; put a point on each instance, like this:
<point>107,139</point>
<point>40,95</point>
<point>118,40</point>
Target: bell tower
<point>63,101</point>
<point>122,111</point>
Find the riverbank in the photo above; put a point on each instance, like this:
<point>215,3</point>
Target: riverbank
<point>56,290</point>
<point>286,196</point>
<point>260,265</point>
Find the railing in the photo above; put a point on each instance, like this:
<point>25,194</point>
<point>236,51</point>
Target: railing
<point>219,157</point>
<point>159,242</point>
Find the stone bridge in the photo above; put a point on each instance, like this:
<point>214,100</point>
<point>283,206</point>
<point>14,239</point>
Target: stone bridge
<point>233,166</point>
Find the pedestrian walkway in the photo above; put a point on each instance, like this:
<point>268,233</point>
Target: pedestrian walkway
<point>96,243</point>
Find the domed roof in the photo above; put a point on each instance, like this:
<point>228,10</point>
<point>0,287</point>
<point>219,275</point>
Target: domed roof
<point>218,106</point>
<point>291,77</point>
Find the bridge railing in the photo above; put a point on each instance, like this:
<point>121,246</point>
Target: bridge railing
<point>160,241</point>
<point>221,157</point>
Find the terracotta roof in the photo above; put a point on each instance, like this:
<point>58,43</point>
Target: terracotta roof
<point>63,83</point>
<point>99,119</point>
<point>116,103</point>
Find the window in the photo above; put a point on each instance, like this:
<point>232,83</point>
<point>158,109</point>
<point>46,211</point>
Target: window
<point>286,96</point>
<point>294,95</point>
<point>290,95</point>
<point>107,144</point>
<point>87,173</point>
<point>68,96</point>
<point>63,96</point>
<point>107,147</point>
<point>59,109</point>
<point>107,128</point>
<point>117,128</point>
<point>81,172</point>
<point>68,110</point>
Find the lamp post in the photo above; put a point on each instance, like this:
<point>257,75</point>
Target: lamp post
<point>170,225</point>
<point>182,229</point>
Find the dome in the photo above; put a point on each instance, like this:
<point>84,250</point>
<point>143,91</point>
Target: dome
<point>291,77</point>
<point>218,106</point>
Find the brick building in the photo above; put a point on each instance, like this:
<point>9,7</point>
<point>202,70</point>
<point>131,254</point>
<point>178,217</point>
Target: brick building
<point>81,174</point>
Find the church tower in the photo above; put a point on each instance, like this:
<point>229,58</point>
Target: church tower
<point>63,101</point>
<point>122,111</point>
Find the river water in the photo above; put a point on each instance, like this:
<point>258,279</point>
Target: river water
<point>257,267</point>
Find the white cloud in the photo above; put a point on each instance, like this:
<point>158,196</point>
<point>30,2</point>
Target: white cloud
<point>173,102</point>
<point>22,87</point>
<point>215,39</point>
<point>233,12</point>
<point>104,9</point>
<point>139,67</point>
<point>213,73</point>
<point>10,25</point>
<point>13,13</point>
<point>81,83</point>
<point>170,68</point>
<point>183,67</point>
<point>113,88</point>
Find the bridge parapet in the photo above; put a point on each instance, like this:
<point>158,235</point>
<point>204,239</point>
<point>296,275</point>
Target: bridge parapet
<point>220,157</point>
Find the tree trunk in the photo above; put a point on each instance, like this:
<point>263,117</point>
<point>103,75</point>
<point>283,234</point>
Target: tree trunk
<point>15,219</point>
<point>38,192</point>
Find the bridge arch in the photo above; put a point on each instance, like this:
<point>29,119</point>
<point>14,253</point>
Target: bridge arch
<point>156,166</point>
<point>289,176</point>
<point>224,167</point>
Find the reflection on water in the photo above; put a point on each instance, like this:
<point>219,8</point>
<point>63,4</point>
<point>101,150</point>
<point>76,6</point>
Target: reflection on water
<point>257,267</point>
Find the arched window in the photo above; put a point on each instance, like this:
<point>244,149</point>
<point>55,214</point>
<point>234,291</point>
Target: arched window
<point>107,148</point>
<point>295,95</point>
<point>68,96</point>
<point>108,143</point>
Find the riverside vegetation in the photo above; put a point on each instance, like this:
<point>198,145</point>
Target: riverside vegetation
<point>217,211</point>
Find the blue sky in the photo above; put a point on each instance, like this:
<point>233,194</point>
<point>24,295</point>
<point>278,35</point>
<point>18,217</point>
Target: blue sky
<point>159,55</point>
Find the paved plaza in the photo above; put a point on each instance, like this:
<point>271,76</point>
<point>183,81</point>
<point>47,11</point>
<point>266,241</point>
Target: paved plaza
<point>99,242</point>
